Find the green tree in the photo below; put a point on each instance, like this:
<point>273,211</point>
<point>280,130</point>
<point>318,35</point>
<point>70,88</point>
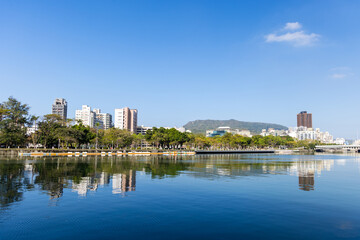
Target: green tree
<point>201,142</point>
<point>67,137</point>
<point>137,139</point>
<point>118,137</point>
<point>14,120</point>
<point>83,134</point>
<point>50,130</point>
<point>258,141</point>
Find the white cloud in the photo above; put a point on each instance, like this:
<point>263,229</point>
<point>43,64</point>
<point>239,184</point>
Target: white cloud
<point>297,38</point>
<point>341,72</point>
<point>338,75</point>
<point>292,26</point>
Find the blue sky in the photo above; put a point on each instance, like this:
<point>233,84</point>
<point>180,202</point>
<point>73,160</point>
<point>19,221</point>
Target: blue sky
<point>177,61</point>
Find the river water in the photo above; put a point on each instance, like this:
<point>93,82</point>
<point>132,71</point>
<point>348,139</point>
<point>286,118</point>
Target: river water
<point>194,197</point>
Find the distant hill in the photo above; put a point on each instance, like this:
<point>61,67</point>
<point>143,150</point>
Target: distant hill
<point>200,126</point>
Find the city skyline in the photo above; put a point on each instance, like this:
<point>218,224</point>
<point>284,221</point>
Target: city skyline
<point>197,60</point>
<point>126,118</point>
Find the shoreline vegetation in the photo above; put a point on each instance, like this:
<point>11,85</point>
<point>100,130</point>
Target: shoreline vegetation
<point>55,133</point>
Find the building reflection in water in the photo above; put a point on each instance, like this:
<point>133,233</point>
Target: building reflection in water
<point>53,175</point>
<point>306,171</point>
<point>121,183</point>
<point>307,183</point>
<point>86,184</point>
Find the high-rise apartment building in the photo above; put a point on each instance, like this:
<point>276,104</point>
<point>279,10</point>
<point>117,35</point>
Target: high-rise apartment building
<point>304,119</point>
<point>126,118</point>
<point>133,120</point>
<point>59,107</point>
<point>119,118</point>
<point>104,119</point>
<point>94,118</point>
<point>86,116</point>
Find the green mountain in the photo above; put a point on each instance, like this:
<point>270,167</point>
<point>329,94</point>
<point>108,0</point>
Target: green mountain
<point>200,126</point>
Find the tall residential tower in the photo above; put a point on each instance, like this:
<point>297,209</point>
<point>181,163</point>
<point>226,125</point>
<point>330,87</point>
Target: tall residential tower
<point>104,119</point>
<point>126,118</point>
<point>59,107</point>
<point>86,116</point>
<point>304,119</point>
<point>94,118</point>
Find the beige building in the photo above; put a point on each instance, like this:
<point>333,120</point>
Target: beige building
<point>104,119</point>
<point>133,120</point>
<point>126,118</point>
<point>86,116</point>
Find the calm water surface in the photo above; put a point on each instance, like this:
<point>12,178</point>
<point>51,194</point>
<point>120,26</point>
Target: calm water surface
<point>199,197</point>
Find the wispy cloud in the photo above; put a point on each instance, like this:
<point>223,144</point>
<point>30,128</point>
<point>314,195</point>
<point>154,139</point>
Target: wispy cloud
<point>341,72</point>
<point>296,38</point>
<point>292,26</point>
<point>338,75</point>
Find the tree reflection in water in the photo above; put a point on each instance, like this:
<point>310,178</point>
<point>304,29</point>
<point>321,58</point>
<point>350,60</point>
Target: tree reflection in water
<point>84,174</point>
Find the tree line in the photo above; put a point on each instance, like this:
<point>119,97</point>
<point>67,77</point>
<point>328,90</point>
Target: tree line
<point>55,132</point>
